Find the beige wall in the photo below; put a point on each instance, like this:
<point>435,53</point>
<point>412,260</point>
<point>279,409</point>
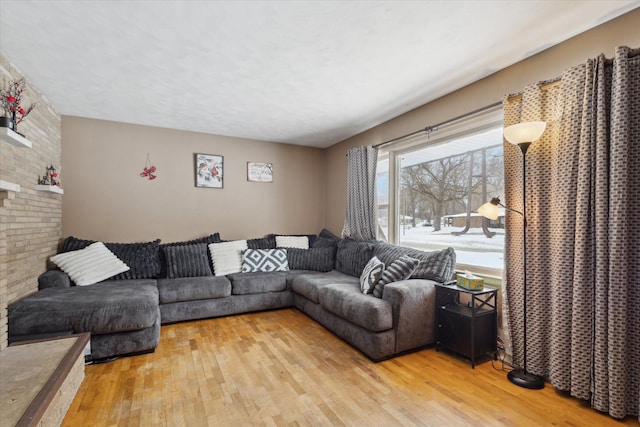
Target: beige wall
<point>543,66</point>
<point>30,220</point>
<point>106,199</point>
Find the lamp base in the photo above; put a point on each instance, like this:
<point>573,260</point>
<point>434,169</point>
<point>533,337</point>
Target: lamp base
<point>522,378</point>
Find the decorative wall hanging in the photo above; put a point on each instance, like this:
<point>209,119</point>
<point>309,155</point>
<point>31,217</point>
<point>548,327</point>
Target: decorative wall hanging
<point>148,170</point>
<point>10,99</point>
<point>209,170</point>
<point>259,172</point>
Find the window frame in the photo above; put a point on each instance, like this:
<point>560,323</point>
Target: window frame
<point>479,122</point>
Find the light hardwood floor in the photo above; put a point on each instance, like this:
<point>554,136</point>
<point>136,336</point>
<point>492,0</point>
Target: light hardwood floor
<point>281,368</point>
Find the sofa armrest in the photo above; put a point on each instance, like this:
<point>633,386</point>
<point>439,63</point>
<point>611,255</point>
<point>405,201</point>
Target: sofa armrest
<point>53,279</point>
<point>414,312</point>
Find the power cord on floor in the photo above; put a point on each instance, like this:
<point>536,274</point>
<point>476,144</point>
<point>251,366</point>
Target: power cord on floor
<point>504,366</point>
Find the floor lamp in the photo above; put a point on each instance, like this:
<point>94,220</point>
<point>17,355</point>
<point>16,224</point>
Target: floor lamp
<point>522,135</point>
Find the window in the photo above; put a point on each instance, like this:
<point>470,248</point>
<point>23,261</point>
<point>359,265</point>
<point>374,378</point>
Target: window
<point>429,190</point>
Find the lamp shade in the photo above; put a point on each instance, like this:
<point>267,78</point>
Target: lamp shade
<point>489,210</point>
<point>524,132</point>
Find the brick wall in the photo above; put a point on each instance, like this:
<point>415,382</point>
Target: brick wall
<point>30,220</point>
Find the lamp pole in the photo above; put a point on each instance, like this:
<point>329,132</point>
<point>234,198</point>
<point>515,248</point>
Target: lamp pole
<point>524,147</point>
<point>522,377</point>
<point>522,135</point>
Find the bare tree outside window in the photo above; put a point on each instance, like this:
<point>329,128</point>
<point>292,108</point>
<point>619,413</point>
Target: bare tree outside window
<point>439,189</point>
<point>438,184</point>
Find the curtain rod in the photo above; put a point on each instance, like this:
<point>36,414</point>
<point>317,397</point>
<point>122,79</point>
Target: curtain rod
<point>435,127</point>
<point>515,97</point>
<point>547,85</point>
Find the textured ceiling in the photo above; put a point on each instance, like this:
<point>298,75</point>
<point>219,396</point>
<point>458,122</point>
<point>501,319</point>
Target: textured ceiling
<point>301,72</point>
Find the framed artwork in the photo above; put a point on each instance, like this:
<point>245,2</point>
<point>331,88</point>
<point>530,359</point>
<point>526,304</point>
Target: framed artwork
<point>209,170</point>
<point>259,172</point>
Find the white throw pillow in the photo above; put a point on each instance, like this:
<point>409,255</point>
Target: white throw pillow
<point>90,265</point>
<point>299,242</point>
<point>227,257</point>
<point>371,274</point>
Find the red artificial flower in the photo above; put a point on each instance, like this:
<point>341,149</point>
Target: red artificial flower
<point>21,110</point>
<point>10,98</point>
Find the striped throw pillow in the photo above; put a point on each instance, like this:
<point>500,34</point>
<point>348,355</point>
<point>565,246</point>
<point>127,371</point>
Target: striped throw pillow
<point>400,269</point>
<point>227,257</point>
<point>187,261</point>
<point>90,265</point>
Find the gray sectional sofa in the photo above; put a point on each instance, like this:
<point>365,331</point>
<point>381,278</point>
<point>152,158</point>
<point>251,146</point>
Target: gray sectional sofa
<point>124,313</point>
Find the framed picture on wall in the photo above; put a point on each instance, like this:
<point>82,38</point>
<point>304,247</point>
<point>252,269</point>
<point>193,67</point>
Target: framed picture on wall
<point>259,172</point>
<point>209,170</point>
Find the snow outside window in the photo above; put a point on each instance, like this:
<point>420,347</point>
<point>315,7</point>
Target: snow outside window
<point>428,195</point>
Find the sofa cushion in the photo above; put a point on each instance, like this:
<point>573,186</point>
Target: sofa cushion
<point>328,234</point>
<point>258,283</point>
<point>211,238</point>
<point>265,260</point>
<point>348,302</point>
<point>107,307</point>
<point>400,269</point>
<point>438,265</point>
<point>323,242</point>
<point>308,285</point>
<point>353,255</point>
<point>227,256</point>
<point>292,274</point>
<point>193,288</point>
<point>143,258</point>
<point>371,274</point>
<point>90,265</point>
<point>187,260</point>
<point>315,259</point>
<point>261,243</point>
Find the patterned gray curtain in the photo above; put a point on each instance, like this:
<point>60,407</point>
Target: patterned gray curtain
<point>583,241</point>
<point>361,220</point>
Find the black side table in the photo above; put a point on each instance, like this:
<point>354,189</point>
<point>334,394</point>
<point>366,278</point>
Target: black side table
<point>467,326</point>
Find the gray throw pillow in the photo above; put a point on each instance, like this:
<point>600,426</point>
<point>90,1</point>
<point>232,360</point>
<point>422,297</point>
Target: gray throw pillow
<point>438,265</point>
<point>187,261</point>
<point>211,238</point>
<point>261,243</point>
<point>314,259</point>
<point>400,269</point>
<point>353,255</point>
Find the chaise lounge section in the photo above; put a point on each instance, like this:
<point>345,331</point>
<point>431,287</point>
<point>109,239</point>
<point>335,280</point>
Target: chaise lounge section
<point>123,317</point>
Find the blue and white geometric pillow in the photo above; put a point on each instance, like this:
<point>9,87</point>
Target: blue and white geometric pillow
<point>371,274</point>
<point>264,260</point>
